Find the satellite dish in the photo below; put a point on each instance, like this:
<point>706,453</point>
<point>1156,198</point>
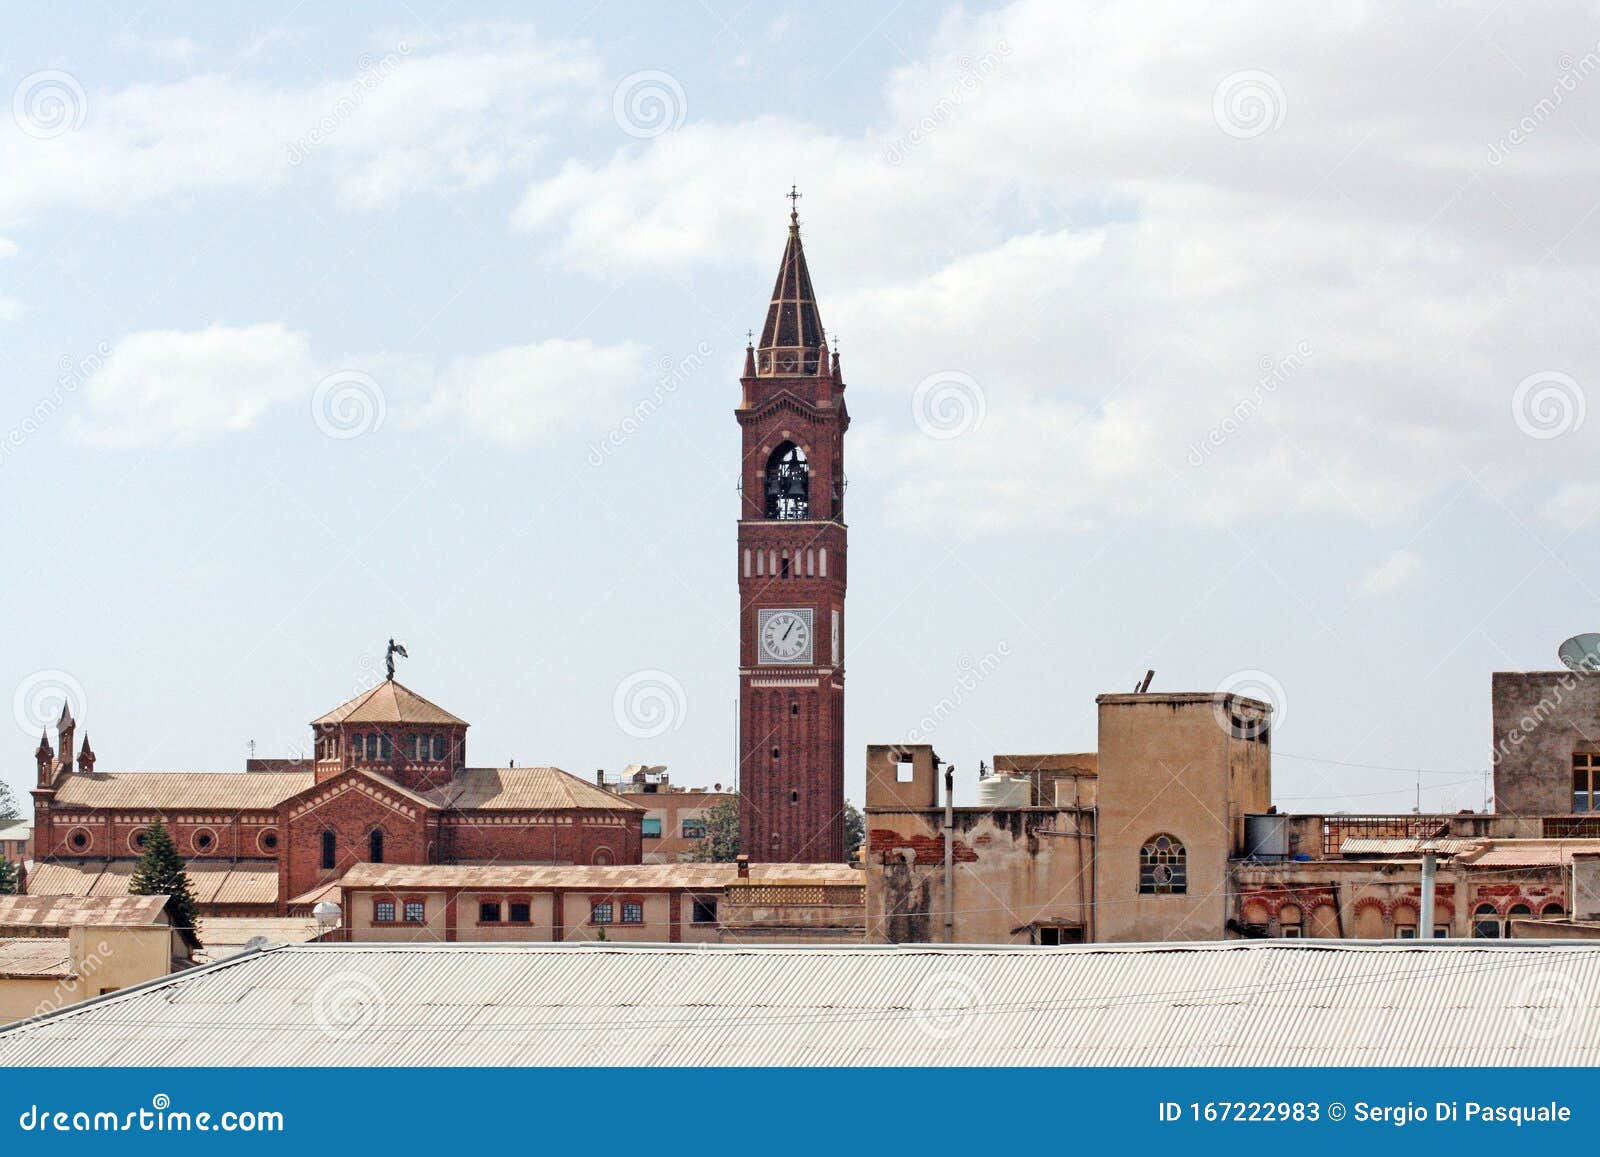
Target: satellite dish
<point>1582,653</point>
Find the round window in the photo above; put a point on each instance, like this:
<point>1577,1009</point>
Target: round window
<point>268,841</point>
<point>78,840</point>
<point>204,840</point>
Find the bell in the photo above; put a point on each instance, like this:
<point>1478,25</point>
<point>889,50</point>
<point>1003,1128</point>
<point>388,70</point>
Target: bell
<point>797,486</point>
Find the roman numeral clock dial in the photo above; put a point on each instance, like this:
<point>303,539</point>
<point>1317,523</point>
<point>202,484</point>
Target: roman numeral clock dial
<point>786,636</point>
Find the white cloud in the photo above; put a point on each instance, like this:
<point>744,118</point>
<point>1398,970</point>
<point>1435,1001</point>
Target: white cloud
<point>179,387</point>
<point>1049,205</point>
<point>406,119</point>
<point>1400,573</point>
<point>184,386</point>
<point>525,393</point>
<point>171,49</point>
<point>1572,506</point>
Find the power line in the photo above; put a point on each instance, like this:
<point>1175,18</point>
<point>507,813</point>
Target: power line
<point>1380,766</point>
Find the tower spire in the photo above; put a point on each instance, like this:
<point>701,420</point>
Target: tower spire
<point>792,338</point>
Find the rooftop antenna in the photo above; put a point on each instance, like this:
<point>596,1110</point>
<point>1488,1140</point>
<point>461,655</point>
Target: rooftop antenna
<point>1581,653</point>
<point>1145,686</point>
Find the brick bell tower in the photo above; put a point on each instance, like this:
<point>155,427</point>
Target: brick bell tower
<point>791,562</point>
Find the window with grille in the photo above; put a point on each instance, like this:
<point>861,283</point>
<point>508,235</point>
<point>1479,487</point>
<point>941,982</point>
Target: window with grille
<point>601,913</point>
<point>633,913</point>
<point>1163,867</point>
<point>415,912</point>
<point>383,912</point>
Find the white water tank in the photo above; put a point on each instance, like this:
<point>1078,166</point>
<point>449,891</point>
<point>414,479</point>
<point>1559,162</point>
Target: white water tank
<point>1005,791</point>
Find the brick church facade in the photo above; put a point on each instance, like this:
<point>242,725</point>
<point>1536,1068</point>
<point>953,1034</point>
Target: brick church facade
<point>388,783</point>
<point>791,561</point>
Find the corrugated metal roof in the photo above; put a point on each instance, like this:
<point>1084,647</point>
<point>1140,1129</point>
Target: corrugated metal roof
<point>389,702</point>
<point>530,788</point>
<point>34,911</point>
<point>224,936</point>
<point>496,876</point>
<point>210,881</point>
<point>1532,853</point>
<point>168,790</point>
<point>33,957</point>
<point>1469,1003</point>
<point>1359,846</point>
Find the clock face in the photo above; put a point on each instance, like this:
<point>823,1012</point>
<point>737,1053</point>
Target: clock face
<point>785,636</point>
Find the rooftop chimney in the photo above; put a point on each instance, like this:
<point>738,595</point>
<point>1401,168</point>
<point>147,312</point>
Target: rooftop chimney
<point>743,864</point>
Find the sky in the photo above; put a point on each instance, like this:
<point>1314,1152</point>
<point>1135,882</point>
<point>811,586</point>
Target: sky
<point>1245,343</point>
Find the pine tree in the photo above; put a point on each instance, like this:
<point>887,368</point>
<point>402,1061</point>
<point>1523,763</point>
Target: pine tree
<point>160,873</point>
<point>9,878</point>
<point>8,803</point>
<point>855,829</point>
<point>720,844</point>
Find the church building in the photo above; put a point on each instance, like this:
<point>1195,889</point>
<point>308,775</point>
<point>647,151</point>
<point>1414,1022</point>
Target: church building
<point>388,783</point>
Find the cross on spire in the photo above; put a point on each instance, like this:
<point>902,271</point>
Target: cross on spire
<point>794,196</point>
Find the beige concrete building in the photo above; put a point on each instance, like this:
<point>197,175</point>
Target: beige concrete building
<point>1132,842</point>
<point>16,841</point>
<point>674,818</point>
<point>1168,832</point>
<point>1020,859</point>
<point>646,903</point>
<point>58,950</point>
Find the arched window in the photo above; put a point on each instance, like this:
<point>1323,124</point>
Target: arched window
<point>330,849</point>
<point>375,846</point>
<point>1163,867</point>
<point>788,483</point>
<point>1486,922</point>
<point>1553,910</point>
